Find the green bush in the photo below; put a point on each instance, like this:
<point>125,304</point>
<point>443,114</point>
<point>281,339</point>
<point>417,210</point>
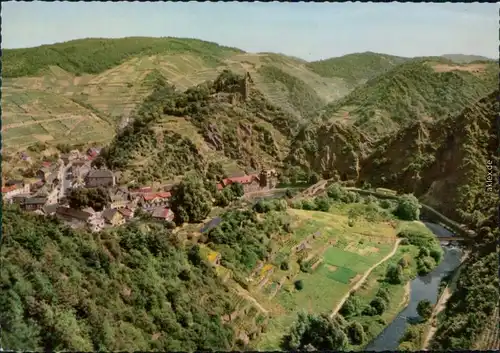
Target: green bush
<point>408,208</point>
<point>394,274</point>
<point>299,285</point>
<point>356,333</point>
<point>351,307</point>
<point>424,309</point>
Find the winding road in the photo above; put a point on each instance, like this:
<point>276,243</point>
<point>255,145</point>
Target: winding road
<point>363,279</point>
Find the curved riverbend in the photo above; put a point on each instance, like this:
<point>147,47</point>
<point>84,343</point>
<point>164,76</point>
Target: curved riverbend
<point>422,287</point>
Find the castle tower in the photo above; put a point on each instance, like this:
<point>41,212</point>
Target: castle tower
<point>246,86</point>
<point>263,178</point>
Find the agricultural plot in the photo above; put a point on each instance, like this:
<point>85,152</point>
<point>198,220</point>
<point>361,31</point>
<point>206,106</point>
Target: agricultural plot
<point>341,255</point>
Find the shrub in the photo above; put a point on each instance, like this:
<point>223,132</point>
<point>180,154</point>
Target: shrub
<point>356,333</point>
<point>351,307</point>
<point>379,305</point>
<point>263,206</point>
<point>322,204</point>
<point>383,293</point>
<point>284,266</point>
<point>299,285</point>
<point>408,208</point>
<point>308,205</point>
<point>394,274</point>
<point>385,204</point>
<point>424,309</point>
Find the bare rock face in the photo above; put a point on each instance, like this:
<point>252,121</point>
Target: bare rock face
<point>214,137</point>
<point>335,150</point>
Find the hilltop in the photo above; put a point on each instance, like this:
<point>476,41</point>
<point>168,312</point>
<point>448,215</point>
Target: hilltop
<point>356,68</point>
<point>465,59</point>
<point>224,121</point>
<point>417,90</point>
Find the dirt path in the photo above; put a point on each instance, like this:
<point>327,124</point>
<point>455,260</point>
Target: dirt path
<point>441,304</point>
<point>365,276</point>
<point>242,292</point>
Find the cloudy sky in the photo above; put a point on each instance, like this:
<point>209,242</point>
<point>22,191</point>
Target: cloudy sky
<point>310,31</point>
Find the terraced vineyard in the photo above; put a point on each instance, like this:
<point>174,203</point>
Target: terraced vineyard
<point>490,339</point>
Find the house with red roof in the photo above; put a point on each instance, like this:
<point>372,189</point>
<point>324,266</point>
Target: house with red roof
<point>8,192</point>
<point>163,214</point>
<point>250,183</point>
<point>265,180</point>
<point>154,199</point>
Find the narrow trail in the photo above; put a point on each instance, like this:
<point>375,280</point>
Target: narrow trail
<point>363,279</point>
<point>242,292</point>
<point>441,304</point>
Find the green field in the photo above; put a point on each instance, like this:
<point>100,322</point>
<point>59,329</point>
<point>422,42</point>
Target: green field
<point>324,286</point>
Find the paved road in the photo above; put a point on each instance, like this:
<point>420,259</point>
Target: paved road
<point>64,184</point>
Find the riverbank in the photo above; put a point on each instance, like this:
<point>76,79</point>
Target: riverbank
<point>432,324</point>
<point>422,287</point>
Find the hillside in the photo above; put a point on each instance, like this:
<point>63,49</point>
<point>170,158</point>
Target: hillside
<point>174,132</point>
<point>132,288</point>
<point>417,90</point>
<point>105,77</point>
<point>357,68</point>
<point>333,150</point>
<point>443,162</point>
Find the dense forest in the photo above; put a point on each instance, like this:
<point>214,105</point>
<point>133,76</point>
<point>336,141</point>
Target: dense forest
<point>130,288</point>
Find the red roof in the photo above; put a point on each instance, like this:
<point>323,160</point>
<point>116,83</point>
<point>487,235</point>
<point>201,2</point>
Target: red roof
<point>6,189</point>
<point>154,195</point>
<point>220,186</point>
<point>125,212</point>
<point>46,164</point>
<point>164,213</point>
<point>247,179</point>
<point>143,189</point>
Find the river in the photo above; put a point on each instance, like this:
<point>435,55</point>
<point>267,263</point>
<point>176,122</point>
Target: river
<point>422,287</point>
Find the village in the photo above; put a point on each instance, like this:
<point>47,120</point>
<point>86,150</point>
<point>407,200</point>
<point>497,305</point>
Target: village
<point>47,193</point>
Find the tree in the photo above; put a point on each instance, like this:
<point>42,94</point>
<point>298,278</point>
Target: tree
<point>313,178</point>
<point>424,309</point>
<point>96,198</point>
<point>394,274</point>
<point>190,201</point>
<point>351,306</point>
<point>98,162</point>
<point>356,333</point>
<point>379,305</point>
<point>320,332</point>
<point>299,285</point>
<point>408,208</point>
<point>237,189</point>
<point>215,171</point>
<point>322,204</point>
<point>263,206</point>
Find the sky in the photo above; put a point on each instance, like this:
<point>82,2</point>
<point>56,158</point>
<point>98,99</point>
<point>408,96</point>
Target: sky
<point>311,31</point>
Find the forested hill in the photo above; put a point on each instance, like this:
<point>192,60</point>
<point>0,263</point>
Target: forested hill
<point>444,162</point>
<point>130,288</point>
<point>470,320</point>
<point>417,90</point>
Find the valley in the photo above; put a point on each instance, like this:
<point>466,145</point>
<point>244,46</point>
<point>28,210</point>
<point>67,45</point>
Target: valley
<point>176,194</point>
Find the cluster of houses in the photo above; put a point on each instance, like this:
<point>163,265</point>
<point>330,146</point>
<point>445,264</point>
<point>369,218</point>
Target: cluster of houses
<point>42,194</point>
